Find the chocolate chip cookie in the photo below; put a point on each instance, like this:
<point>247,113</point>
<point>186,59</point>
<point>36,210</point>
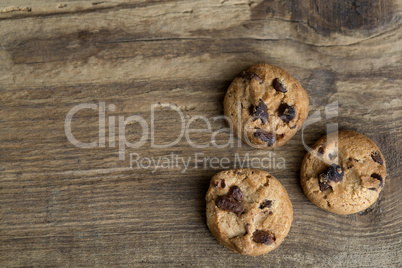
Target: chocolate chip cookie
<point>265,106</point>
<point>344,173</point>
<point>248,211</point>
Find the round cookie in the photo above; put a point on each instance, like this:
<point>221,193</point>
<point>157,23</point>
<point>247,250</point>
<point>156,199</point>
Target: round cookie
<point>248,211</point>
<point>344,173</point>
<point>265,106</point>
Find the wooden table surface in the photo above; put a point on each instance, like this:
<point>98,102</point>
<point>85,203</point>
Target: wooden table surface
<point>62,205</point>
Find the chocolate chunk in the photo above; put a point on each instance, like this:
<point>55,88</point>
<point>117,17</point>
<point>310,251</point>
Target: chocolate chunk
<point>216,184</point>
<point>331,156</point>
<point>378,177</point>
<point>262,237</point>
<point>373,189</point>
<point>321,150</point>
<point>324,186</point>
<point>265,136</point>
<point>228,204</point>
<point>266,204</point>
<point>334,173</point>
<point>231,201</point>
<point>278,86</point>
<point>236,193</point>
<point>377,158</point>
<point>323,182</point>
<point>286,112</point>
<point>223,184</point>
<point>247,227</point>
<point>250,76</point>
<point>260,111</point>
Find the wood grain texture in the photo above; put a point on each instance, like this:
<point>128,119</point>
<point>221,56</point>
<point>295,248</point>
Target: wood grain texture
<point>69,207</point>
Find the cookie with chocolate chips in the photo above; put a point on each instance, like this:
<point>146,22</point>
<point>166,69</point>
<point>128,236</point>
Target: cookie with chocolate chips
<point>265,106</point>
<point>344,173</point>
<point>248,211</point>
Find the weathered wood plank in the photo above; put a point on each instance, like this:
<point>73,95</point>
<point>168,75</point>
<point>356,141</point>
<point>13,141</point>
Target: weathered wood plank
<point>68,206</point>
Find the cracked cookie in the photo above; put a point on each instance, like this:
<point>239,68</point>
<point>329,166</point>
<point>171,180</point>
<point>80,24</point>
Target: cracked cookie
<point>248,211</point>
<point>265,106</point>
<point>344,173</point>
